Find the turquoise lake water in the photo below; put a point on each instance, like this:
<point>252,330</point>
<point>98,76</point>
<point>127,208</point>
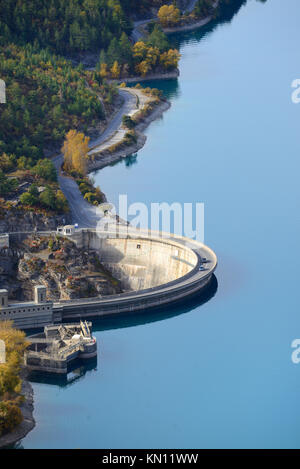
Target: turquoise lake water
<point>216,373</point>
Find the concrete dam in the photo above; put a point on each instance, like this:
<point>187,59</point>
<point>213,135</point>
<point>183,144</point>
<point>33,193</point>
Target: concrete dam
<point>154,269</point>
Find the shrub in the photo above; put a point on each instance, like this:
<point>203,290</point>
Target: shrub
<point>7,185</point>
<point>45,169</point>
<point>130,138</point>
<point>128,122</point>
<point>10,416</point>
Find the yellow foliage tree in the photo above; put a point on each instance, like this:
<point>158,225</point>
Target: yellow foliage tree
<point>152,55</point>
<point>10,416</point>
<point>75,151</point>
<point>143,68</point>
<point>15,340</point>
<point>139,50</point>
<point>10,380</point>
<point>168,15</point>
<point>61,201</point>
<point>170,59</point>
<point>103,70</point>
<point>115,70</point>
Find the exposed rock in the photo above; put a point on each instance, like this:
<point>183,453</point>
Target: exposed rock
<point>67,271</point>
<point>18,220</point>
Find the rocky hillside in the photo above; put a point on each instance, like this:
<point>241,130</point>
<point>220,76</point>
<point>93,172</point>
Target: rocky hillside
<point>16,219</point>
<point>67,271</point>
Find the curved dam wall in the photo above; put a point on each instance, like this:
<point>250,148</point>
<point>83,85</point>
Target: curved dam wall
<point>140,262</point>
<point>159,269</point>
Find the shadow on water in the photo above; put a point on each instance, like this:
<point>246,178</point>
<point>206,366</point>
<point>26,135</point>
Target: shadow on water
<point>170,87</point>
<point>130,160</point>
<point>157,314</point>
<point>76,372</point>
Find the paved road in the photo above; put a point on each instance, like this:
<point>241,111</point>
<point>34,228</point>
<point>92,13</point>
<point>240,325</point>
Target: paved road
<point>140,100</point>
<point>82,212</point>
<point>136,34</point>
<point>128,105</point>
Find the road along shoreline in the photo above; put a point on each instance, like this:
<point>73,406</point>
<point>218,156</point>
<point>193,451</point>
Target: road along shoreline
<point>104,157</point>
<point>101,153</point>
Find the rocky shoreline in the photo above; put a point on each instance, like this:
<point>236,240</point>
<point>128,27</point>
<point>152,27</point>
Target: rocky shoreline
<point>193,25</point>
<point>189,26</point>
<point>27,408</point>
<point>173,74</point>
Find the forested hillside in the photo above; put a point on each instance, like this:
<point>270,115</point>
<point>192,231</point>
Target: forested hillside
<point>69,25</point>
<point>63,25</point>
<point>47,96</point>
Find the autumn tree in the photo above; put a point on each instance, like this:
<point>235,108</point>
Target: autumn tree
<point>115,70</point>
<point>168,15</point>
<point>170,59</point>
<point>15,340</point>
<point>10,416</point>
<point>75,151</point>
<point>10,380</point>
<point>142,68</point>
<point>146,56</point>
<point>103,70</point>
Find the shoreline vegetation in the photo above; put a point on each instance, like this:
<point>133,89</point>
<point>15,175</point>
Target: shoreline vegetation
<point>28,423</point>
<point>193,22</point>
<point>16,394</point>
